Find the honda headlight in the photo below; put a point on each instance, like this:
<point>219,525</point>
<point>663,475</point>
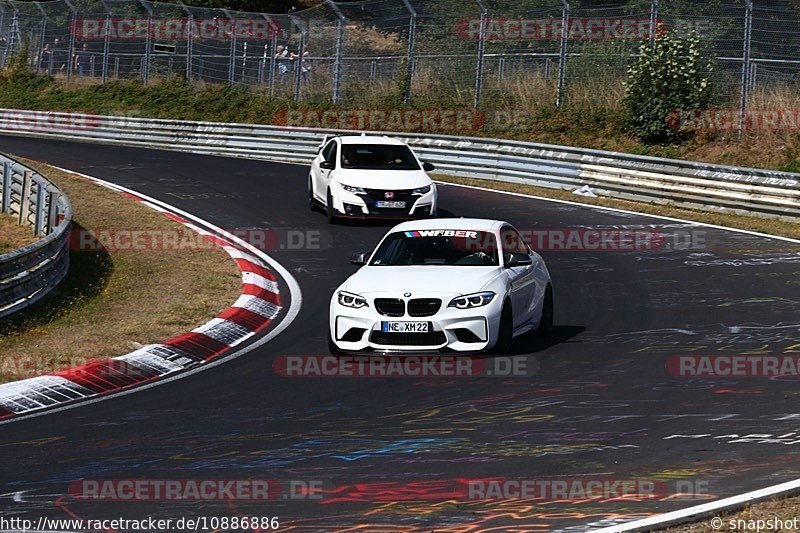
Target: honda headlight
<point>419,191</point>
<point>354,190</point>
<point>349,299</point>
<point>469,301</point>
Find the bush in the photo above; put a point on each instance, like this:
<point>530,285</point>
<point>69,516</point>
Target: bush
<point>670,75</point>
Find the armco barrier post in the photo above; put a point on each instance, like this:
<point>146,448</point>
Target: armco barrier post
<point>25,197</point>
<point>562,53</point>
<point>52,211</point>
<point>6,204</point>
<point>38,224</point>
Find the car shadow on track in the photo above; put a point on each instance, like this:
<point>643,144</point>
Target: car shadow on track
<point>386,222</point>
<point>533,343</point>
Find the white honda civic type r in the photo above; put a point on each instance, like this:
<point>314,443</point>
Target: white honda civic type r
<point>360,176</point>
<point>459,284</point>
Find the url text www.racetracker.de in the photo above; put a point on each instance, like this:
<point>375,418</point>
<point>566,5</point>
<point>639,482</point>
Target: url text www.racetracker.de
<point>197,523</point>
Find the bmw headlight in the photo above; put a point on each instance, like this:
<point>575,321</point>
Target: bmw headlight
<point>469,301</point>
<point>421,190</point>
<point>354,190</point>
<point>349,299</point>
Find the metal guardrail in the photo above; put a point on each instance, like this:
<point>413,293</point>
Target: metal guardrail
<point>618,175</point>
<point>29,273</point>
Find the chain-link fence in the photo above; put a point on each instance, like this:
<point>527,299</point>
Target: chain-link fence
<point>429,53</point>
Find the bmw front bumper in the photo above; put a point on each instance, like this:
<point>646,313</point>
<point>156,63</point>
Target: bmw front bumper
<point>449,328</point>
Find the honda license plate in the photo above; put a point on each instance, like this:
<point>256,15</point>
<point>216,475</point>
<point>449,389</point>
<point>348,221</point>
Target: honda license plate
<point>391,205</point>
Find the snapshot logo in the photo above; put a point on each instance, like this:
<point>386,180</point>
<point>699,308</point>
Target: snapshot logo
<point>734,366</point>
<point>46,121</point>
<point>174,29</point>
<point>382,119</point>
<point>732,120</point>
<point>179,239</point>
<point>550,29</point>
<point>196,489</point>
<point>404,366</point>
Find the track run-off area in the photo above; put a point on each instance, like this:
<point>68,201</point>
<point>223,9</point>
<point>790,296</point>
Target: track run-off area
<point>606,402</point>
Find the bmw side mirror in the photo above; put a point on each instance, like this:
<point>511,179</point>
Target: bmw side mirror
<point>359,258</point>
<point>327,165</point>
<point>517,259</point>
<point>428,167</point>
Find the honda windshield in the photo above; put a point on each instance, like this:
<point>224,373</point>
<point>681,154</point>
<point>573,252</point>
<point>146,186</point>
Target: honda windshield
<point>378,157</point>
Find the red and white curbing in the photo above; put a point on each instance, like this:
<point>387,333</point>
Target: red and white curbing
<point>253,311</point>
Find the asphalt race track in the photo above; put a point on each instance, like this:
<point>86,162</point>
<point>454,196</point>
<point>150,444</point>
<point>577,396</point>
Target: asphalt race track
<point>393,454</point>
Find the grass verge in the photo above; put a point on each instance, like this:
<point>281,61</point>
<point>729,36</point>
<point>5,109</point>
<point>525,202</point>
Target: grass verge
<point>769,226</point>
<point>12,235</point>
<point>520,108</point>
<point>114,300</point>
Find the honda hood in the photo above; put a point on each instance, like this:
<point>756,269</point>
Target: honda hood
<point>382,179</point>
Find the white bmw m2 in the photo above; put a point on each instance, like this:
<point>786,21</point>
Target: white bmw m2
<point>466,285</point>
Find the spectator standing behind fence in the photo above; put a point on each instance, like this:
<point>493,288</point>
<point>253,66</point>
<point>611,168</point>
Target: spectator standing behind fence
<point>282,57</point>
<point>81,59</point>
<point>60,55</point>
<point>46,58</point>
<point>305,63</point>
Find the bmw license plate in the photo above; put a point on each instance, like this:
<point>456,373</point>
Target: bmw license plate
<point>391,205</point>
<point>405,327</point>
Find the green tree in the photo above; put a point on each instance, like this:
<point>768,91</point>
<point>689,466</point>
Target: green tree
<point>669,76</point>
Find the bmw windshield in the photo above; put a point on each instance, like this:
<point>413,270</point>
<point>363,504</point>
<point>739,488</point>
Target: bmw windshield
<point>437,247</point>
<point>378,157</point>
